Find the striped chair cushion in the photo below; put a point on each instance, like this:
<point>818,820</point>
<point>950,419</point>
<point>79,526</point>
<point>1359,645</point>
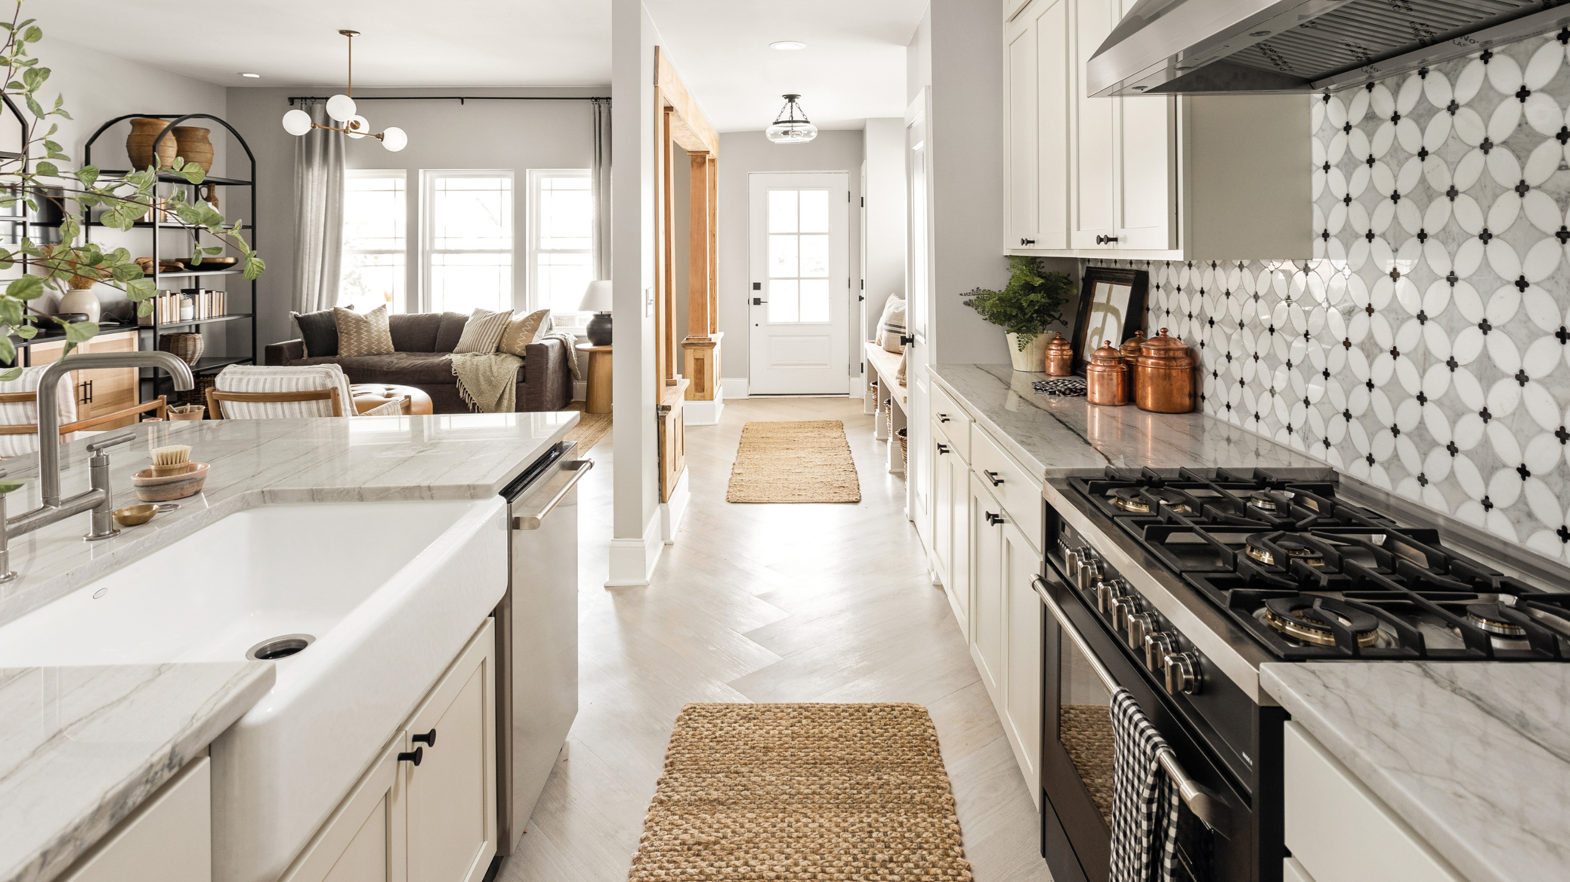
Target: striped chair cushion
<point>386,408</point>
<point>25,413</point>
<point>304,378</point>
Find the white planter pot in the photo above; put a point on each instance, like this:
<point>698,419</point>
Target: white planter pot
<point>1034,356</point>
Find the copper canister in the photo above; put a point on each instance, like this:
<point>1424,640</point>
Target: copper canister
<point>1060,356</point>
<point>1133,347</point>
<point>1166,376</point>
<point>1106,377</point>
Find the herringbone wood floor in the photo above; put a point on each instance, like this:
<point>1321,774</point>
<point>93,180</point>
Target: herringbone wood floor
<point>765,603</point>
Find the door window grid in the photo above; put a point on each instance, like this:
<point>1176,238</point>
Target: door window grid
<point>560,258</point>
<point>467,249</point>
<point>798,256</point>
<point>375,242</point>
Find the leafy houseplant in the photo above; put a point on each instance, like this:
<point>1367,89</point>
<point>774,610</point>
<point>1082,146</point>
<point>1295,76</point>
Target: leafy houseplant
<point>1032,300</point>
<point>35,175</point>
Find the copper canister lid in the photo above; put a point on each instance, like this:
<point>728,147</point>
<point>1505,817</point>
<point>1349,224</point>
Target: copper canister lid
<point>1164,350</point>
<point>1107,355</point>
<point>1058,343</point>
<point>1133,345</point>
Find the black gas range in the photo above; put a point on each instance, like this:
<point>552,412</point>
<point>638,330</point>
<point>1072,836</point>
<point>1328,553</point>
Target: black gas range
<point>1178,584</point>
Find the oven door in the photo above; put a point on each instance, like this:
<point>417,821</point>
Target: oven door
<point>1082,667</point>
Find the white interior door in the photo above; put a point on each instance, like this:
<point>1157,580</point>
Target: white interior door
<point>799,300</point>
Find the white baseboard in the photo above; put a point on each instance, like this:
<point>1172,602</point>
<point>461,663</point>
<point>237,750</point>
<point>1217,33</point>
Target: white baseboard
<point>704,413</point>
<point>733,387</point>
<point>672,512</point>
<point>632,560</point>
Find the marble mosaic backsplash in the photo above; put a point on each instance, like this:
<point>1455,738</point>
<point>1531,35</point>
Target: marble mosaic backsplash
<point>1426,347</point>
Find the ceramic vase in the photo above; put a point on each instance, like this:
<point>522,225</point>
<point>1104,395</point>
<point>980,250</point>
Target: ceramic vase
<point>81,301</point>
<point>192,145</point>
<point>1033,357</point>
<point>139,144</point>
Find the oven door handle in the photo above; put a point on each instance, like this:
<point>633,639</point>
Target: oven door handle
<point>1209,809</point>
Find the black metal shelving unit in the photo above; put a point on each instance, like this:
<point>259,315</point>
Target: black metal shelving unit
<point>152,382</point>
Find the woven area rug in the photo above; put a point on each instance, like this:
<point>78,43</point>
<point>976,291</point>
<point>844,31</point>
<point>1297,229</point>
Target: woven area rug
<point>807,461</point>
<point>787,792</point>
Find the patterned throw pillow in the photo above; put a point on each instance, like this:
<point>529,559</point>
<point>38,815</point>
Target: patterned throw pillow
<point>363,333</point>
<point>483,331</point>
<point>524,330</point>
<point>893,326</point>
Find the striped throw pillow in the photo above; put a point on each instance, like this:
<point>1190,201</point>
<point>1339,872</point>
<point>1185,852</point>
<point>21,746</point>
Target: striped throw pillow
<point>893,326</point>
<point>483,331</point>
<point>363,333</point>
<point>524,330</point>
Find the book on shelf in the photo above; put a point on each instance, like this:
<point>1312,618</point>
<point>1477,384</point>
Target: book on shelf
<point>167,306</point>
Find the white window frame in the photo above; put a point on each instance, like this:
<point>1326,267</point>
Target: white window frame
<point>572,320</point>
<point>390,174</point>
<point>428,179</point>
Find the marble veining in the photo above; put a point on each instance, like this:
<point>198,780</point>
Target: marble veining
<point>1055,436</point>
<point>81,748</point>
<point>1476,756</point>
<point>260,462</point>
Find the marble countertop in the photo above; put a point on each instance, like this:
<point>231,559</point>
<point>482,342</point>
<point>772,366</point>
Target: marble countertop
<point>258,462</point>
<point>1475,756</point>
<point>1056,436</point>
<point>81,748</point>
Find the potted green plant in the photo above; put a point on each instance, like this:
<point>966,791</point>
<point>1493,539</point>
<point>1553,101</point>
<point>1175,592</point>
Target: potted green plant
<point>1032,301</point>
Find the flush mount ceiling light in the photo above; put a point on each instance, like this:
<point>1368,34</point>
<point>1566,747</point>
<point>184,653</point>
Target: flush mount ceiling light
<point>341,108</point>
<point>251,76</point>
<point>788,45</point>
<point>791,126</point>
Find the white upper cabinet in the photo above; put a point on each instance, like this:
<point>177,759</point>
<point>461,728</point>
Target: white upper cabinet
<point>1213,177</point>
<point>1011,8</point>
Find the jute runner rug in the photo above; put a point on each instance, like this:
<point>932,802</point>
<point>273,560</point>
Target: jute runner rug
<point>796,792</point>
<point>806,461</point>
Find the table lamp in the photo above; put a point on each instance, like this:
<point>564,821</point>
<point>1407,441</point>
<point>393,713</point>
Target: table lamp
<point>597,299</point>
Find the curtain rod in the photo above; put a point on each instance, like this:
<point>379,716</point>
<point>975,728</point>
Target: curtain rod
<point>458,98</point>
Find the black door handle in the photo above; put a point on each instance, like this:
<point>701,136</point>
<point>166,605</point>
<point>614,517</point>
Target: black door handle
<point>758,301</point>
<point>429,738</point>
<point>413,756</point>
<point>906,341</point>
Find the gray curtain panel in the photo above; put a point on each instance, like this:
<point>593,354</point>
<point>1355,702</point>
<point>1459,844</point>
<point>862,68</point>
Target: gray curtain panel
<point>602,188</point>
<point>318,205</point>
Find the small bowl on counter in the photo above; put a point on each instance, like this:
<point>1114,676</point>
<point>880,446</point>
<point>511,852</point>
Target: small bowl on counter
<point>135,515</point>
<point>163,488</point>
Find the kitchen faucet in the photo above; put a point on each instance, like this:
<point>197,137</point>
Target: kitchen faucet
<point>97,498</point>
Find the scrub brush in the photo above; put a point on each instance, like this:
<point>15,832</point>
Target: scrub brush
<point>172,460</point>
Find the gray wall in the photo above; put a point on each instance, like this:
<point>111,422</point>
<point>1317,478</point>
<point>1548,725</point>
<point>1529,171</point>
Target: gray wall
<point>741,154</point>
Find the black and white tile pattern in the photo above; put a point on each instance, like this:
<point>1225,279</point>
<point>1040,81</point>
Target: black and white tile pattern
<point>1426,347</point>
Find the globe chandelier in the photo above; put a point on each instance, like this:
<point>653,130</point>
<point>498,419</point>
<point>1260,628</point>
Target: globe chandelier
<point>341,109</point>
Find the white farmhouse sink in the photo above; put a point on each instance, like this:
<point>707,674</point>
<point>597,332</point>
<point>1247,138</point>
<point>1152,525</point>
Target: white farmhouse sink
<point>388,592</point>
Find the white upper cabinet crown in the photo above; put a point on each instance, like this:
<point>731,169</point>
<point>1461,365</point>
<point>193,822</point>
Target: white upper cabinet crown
<point>1208,177</point>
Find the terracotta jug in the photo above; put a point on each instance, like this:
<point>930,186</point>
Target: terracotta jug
<point>1060,357</point>
<point>193,146</point>
<point>139,144</point>
<point>1166,381</point>
<point>1133,347</point>
<point>1106,377</point>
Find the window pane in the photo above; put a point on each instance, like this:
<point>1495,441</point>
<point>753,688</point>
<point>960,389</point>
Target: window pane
<point>782,257</point>
<point>374,214</point>
<point>814,300</point>
<point>471,213</point>
<point>561,280</point>
<point>566,212</point>
<point>782,301</point>
<point>814,257</point>
<point>371,280</point>
<point>782,211</point>
<point>466,282</point>
<point>814,211</point>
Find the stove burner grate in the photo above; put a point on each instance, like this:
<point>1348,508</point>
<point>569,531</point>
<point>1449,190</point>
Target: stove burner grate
<point>1138,500</point>
<point>1273,550</point>
<point>1314,620</point>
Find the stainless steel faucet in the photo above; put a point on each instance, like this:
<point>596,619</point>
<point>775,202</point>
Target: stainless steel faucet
<point>97,498</point>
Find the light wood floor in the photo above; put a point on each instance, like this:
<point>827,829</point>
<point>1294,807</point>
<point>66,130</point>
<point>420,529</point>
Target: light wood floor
<point>765,603</point>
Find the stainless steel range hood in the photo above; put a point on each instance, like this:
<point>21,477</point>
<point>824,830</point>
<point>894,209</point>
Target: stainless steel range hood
<point>1199,47</point>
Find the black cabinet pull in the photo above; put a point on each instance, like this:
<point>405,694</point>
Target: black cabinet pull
<point>943,417</point>
<point>943,448</point>
<point>1106,240</point>
<point>413,756</point>
<point>429,738</point>
<point>993,520</point>
<point>993,477</point>
<point>1027,241</point>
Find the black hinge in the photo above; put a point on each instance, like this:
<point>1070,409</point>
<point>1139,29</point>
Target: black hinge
<point>863,202</point>
<point>864,367</point>
<point>847,195</point>
<point>863,284</point>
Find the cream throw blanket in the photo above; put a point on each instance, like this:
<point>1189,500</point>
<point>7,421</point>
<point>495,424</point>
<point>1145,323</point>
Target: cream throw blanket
<point>488,381</point>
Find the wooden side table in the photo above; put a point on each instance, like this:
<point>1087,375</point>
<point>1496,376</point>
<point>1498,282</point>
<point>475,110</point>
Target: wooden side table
<point>599,378</point>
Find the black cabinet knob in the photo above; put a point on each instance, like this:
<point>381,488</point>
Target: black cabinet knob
<point>429,738</point>
<point>413,756</point>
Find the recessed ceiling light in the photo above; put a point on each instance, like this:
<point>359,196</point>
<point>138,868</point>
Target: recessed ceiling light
<point>251,76</point>
<point>788,45</point>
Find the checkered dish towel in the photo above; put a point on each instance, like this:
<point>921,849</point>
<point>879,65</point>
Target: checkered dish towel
<point>1144,801</point>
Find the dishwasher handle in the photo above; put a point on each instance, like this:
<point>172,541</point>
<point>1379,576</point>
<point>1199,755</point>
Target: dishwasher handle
<point>579,468</point>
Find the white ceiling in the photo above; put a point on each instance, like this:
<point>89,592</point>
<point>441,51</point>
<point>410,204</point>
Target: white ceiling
<point>853,67</point>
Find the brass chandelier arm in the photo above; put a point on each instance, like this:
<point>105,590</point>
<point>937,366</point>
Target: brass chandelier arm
<point>377,135</point>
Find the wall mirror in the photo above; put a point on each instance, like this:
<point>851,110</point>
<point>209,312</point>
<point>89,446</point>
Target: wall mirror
<point>1111,307</point>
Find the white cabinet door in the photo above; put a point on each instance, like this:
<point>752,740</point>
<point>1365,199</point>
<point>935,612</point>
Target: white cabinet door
<point>1021,183</point>
<point>451,795</point>
<point>1094,198</point>
<point>167,839</point>
<point>1146,169</point>
<point>1022,666</point>
<point>1011,8</point>
<point>986,586</point>
<point>943,457</point>
<point>1053,54</point>
<point>364,840</point>
<point>959,548</point>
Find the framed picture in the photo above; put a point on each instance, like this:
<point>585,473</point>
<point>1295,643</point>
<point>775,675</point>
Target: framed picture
<point>1111,307</point>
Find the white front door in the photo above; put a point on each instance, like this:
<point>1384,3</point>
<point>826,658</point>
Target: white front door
<point>799,297</point>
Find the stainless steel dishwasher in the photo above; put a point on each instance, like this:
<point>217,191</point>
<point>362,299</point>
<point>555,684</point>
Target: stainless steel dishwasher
<point>537,636</point>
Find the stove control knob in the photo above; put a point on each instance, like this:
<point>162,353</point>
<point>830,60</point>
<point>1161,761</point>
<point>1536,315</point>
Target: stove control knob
<point>1140,624</point>
<point>1089,569</point>
<point>1108,593</point>
<point>1123,606</point>
<point>1183,673</point>
<point>1070,560</point>
<point>1157,646</point>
